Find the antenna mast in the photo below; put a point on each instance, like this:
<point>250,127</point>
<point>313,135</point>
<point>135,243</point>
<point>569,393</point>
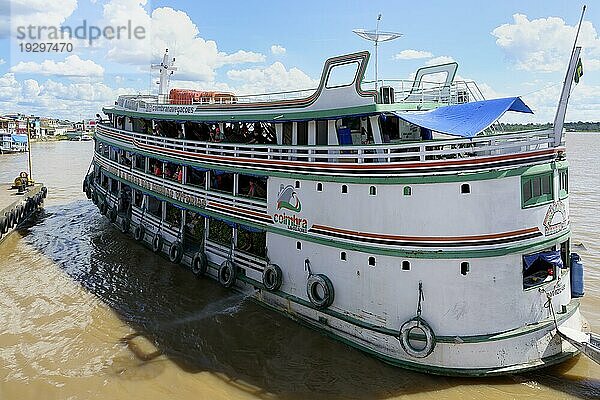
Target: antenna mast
<point>166,69</point>
<point>377,36</point>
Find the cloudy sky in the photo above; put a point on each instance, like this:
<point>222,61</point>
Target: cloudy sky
<point>510,48</point>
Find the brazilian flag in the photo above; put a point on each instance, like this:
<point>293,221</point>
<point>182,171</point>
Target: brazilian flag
<point>578,71</point>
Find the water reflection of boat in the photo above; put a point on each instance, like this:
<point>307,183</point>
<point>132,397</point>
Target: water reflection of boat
<point>401,220</point>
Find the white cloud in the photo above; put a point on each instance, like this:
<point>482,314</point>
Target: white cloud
<point>277,50</point>
<point>272,78</point>
<point>67,101</point>
<point>412,54</point>
<point>14,13</point>
<point>72,66</point>
<point>196,58</point>
<point>2,61</point>
<point>544,44</point>
<point>439,60</point>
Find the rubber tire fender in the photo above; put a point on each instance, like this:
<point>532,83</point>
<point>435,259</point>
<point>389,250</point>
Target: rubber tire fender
<point>3,225</point>
<point>103,208</point>
<point>314,281</point>
<point>272,277</point>
<point>44,192</point>
<point>227,274</point>
<point>404,337</point>
<point>199,264</point>
<point>139,233</point>
<point>157,243</point>
<point>175,252</point>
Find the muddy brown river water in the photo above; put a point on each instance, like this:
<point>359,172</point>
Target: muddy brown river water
<point>87,313</point>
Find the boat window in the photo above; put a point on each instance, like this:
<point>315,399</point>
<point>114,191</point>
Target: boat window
<point>298,246</point>
<point>344,189</point>
<point>173,172</point>
<point>156,167</point>
<point>221,181</point>
<point>563,183</point>
<point>342,75</point>
<point>104,182</point>
<point>390,128</point>
<point>252,186</point>
<point>541,267</point>
<point>321,133</point>
<point>464,268</point>
<point>252,241</point>
<point>407,191</point>
<point>319,187</point>
<point>343,256</point>
<point>196,177</point>
<point>373,191</point>
<point>372,261</point>
<point>465,188</point>
<point>173,216</point>
<point>114,186</point>
<point>139,162</point>
<point>405,265</point>
<point>297,185</point>
<point>536,189</point>
<point>302,127</point>
<point>154,206</point>
<point>287,133</point>
<point>220,232</point>
<point>193,227</point>
<point>138,197</point>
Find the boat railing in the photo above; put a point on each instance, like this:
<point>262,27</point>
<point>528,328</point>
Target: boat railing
<point>404,91</point>
<point>479,146</point>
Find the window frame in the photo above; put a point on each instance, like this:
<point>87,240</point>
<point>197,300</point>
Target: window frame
<point>542,198</point>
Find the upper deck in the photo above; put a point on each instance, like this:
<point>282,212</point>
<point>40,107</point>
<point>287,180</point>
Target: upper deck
<point>342,91</point>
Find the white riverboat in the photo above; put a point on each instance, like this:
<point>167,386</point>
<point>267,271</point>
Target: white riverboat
<point>400,220</point>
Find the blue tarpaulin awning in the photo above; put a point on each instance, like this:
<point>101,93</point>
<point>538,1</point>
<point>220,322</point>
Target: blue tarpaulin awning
<point>465,120</point>
<point>551,257</point>
<point>19,138</point>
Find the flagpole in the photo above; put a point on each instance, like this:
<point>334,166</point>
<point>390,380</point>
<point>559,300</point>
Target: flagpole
<point>561,111</point>
<point>29,151</point>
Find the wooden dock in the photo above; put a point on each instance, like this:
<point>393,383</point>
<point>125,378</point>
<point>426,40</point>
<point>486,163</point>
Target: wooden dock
<point>17,208</point>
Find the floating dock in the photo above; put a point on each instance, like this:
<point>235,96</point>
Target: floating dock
<point>16,208</point>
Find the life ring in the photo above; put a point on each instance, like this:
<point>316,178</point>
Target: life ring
<point>404,337</point>
<point>199,263</point>
<point>124,227</point>
<point>157,243</point>
<point>112,214</point>
<point>139,233</point>
<point>320,291</point>
<point>272,277</point>
<point>176,252</point>
<point>227,274</point>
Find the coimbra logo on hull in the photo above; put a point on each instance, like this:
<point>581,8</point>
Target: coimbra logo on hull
<point>287,199</point>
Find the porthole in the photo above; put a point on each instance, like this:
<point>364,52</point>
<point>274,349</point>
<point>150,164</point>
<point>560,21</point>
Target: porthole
<point>372,261</point>
<point>405,265</point>
<point>319,187</point>
<point>298,246</point>
<point>465,188</point>
<point>407,191</point>
<point>297,185</point>
<point>464,268</point>
<point>344,189</point>
<point>373,191</point>
<point>343,256</point>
